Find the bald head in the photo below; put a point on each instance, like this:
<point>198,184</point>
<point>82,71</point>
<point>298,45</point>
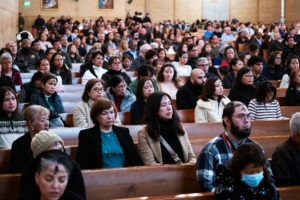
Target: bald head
<point>197,77</point>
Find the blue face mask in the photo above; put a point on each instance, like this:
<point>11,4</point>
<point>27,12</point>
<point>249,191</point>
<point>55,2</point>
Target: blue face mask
<point>252,180</point>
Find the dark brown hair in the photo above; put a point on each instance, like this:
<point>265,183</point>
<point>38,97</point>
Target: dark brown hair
<point>262,91</point>
<point>250,153</point>
<point>85,96</point>
<point>209,89</point>
<point>140,86</point>
<point>152,120</point>
<point>160,76</point>
<point>3,91</point>
<point>99,106</point>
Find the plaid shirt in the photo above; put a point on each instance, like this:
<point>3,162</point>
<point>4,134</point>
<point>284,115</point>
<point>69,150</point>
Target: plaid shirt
<point>216,152</point>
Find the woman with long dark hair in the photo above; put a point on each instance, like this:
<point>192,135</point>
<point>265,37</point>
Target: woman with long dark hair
<point>163,129</point>
<point>211,103</point>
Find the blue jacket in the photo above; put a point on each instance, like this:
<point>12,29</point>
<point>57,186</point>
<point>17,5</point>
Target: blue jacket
<point>128,99</point>
<point>39,98</point>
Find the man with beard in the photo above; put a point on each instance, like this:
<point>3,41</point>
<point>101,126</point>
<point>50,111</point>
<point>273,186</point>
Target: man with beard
<point>219,151</point>
<point>26,58</point>
<point>187,95</point>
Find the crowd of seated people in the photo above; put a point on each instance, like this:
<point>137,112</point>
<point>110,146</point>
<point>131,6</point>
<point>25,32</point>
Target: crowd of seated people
<point>171,64</point>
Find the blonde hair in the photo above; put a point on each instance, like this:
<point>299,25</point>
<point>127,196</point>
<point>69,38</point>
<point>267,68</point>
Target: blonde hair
<point>34,111</point>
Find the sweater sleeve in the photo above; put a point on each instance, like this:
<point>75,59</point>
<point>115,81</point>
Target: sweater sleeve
<point>79,117</point>
<point>252,109</point>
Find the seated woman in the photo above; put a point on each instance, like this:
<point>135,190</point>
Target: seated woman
<point>243,89</point>
<point>235,65</point>
<point>12,124</point>
<point>106,145</point>
<point>28,89</point>
<point>120,94</point>
<point>74,54</point>
<point>60,69</point>
<point>246,177</point>
<point>93,90</point>
<point>8,70</point>
<point>144,71</point>
<point>48,98</point>
<point>181,68</point>
<point>144,89</point>
<point>43,66</point>
<point>292,97</point>
<point>122,47</point>
<point>115,68</point>
<point>6,80</point>
<point>167,80</point>
<point>292,64</point>
<point>211,103</point>
<point>163,127</point>
<point>265,106</point>
<point>95,69</point>
<point>37,119</point>
<point>229,54</point>
<point>43,142</point>
<point>275,68</point>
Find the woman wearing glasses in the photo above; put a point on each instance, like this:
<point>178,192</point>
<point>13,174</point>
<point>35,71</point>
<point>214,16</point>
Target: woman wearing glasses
<point>93,90</point>
<point>114,68</point>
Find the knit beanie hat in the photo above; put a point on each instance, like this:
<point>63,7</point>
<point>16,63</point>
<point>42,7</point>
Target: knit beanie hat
<point>43,140</point>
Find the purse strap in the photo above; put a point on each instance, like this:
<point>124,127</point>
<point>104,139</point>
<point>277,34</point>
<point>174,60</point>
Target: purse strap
<point>170,150</point>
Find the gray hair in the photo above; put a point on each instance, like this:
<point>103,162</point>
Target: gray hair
<point>202,59</point>
<point>295,124</point>
<point>5,56</point>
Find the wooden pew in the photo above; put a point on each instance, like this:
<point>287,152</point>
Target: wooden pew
<point>194,130</point>
<point>185,116</point>
<point>124,182</point>
<point>288,111</point>
<point>142,181</point>
<point>286,193</point>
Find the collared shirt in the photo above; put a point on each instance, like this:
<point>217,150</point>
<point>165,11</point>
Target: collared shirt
<point>216,152</point>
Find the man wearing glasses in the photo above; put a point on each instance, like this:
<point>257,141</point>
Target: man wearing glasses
<point>202,63</point>
<point>219,151</point>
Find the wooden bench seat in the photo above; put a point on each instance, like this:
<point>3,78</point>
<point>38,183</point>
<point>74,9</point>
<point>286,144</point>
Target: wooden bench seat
<point>144,181</point>
<point>286,193</point>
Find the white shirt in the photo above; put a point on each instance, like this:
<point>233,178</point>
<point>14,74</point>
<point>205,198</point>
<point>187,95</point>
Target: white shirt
<point>99,71</point>
<point>182,71</point>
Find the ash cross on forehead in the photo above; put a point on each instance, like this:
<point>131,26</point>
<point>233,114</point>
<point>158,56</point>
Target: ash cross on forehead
<point>244,108</point>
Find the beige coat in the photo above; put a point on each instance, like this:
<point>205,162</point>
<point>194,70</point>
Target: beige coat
<point>150,150</point>
<point>81,115</point>
<point>210,111</point>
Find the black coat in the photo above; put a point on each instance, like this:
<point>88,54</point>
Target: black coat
<point>292,97</point>
<point>28,185</point>
<point>89,152</point>
<point>21,153</point>
<point>7,81</point>
<point>35,195</point>
<point>228,80</point>
<point>285,164</point>
<point>187,96</point>
<point>242,93</point>
<point>137,111</point>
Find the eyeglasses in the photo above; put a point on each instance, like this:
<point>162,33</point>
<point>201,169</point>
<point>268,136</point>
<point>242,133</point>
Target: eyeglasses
<point>203,65</point>
<point>98,89</point>
<point>242,117</point>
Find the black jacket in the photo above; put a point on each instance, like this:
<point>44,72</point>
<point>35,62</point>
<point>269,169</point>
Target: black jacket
<point>21,153</point>
<point>6,81</point>
<point>192,62</point>
<point>228,80</point>
<point>89,152</point>
<point>285,164</point>
<point>187,96</point>
<point>292,97</point>
<point>242,93</point>
<point>137,111</point>
<point>35,195</point>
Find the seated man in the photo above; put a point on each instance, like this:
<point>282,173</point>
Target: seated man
<point>193,56</point>
<point>202,63</point>
<point>256,65</point>
<point>139,61</point>
<point>189,93</point>
<point>219,151</point>
<point>286,157</point>
<point>227,36</point>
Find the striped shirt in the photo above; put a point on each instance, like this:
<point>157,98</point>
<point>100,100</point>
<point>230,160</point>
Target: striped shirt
<point>264,111</point>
